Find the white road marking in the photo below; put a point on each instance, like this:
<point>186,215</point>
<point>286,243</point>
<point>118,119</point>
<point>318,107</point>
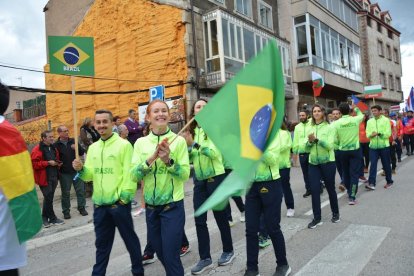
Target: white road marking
<point>347,254</point>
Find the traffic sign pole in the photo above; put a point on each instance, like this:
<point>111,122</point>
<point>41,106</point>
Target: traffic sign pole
<point>75,125</point>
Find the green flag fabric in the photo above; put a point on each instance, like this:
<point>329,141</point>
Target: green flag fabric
<point>242,119</point>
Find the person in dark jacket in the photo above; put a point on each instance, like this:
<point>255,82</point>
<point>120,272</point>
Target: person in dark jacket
<point>66,149</point>
<point>46,162</point>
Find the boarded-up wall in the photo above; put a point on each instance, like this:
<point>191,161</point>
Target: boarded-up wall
<point>31,129</point>
<point>134,40</point>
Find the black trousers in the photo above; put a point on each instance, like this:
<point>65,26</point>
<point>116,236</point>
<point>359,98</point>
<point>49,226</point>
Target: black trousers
<point>48,194</point>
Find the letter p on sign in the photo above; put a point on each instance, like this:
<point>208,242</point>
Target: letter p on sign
<point>156,92</point>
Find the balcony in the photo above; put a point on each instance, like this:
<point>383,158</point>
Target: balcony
<point>229,45</point>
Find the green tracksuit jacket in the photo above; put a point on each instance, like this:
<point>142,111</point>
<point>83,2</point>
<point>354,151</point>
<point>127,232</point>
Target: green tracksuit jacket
<point>381,125</point>
<point>285,146</point>
<point>207,159</point>
<point>322,151</point>
<point>108,166</point>
<point>347,131</point>
<point>268,168</point>
<point>162,184</point>
<point>300,136</point>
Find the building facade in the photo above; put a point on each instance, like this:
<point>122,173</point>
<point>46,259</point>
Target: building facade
<point>325,39</point>
<point>381,56</point>
<point>191,46</point>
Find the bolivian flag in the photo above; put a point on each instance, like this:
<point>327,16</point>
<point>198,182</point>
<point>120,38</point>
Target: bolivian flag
<point>17,182</point>
<point>242,119</point>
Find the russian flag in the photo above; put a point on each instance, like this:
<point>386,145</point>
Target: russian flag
<point>361,105</point>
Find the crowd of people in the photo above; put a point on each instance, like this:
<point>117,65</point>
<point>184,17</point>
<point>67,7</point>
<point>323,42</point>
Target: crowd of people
<point>119,156</point>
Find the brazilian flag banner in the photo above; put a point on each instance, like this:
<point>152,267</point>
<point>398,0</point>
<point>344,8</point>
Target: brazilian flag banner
<point>242,119</point>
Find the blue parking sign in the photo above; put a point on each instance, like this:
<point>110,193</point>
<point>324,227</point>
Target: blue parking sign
<point>156,92</point>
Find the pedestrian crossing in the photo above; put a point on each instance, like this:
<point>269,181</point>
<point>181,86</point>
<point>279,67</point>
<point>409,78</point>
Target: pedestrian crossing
<point>347,254</point>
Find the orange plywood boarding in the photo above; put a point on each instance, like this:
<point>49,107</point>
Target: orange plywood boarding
<point>134,40</point>
<point>31,129</point>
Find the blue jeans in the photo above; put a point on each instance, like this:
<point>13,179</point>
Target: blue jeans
<point>203,190</point>
<point>351,165</point>
<point>287,191</point>
<point>339,164</point>
<point>105,220</point>
<point>384,155</point>
<point>304,164</point>
<point>264,198</point>
<point>165,227</point>
<point>327,173</point>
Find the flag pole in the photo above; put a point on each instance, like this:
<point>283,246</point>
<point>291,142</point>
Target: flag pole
<point>373,100</point>
<point>315,99</point>
<point>75,125</point>
<point>178,134</point>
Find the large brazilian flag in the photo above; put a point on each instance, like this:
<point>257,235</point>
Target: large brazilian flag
<point>242,119</point>
<point>17,182</point>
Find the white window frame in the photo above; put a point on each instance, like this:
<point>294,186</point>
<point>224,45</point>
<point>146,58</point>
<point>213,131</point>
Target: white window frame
<point>261,2</point>
<point>250,8</point>
<point>219,2</point>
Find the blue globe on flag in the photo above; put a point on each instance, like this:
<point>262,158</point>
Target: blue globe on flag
<point>259,126</point>
<point>71,55</point>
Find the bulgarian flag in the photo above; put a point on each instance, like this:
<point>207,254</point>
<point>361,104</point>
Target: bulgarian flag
<point>317,84</point>
<point>17,182</point>
<point>242,119</point>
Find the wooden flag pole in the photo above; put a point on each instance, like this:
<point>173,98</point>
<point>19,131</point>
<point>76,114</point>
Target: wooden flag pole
<point>373,100</point>
<point>178,134</point>
<point>75,125</point>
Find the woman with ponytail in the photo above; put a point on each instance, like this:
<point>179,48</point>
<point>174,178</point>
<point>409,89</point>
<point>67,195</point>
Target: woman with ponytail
<point>209,173</point>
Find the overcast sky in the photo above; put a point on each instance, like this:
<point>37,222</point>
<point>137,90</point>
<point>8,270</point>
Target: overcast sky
<point>22,32</point>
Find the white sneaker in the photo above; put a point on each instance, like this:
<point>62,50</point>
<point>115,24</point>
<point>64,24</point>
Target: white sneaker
<point>242,217</point>
<point>290,213</point>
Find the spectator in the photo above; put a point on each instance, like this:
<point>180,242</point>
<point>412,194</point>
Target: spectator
<point>45,160</point>
<point>117,122</point>
<point>88,134</point>
<point>66,149</point>
<point>134,128</point>
<point>122,130</point>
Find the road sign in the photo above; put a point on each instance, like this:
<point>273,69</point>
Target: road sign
<point>71,55</point>
<point>156,92</point>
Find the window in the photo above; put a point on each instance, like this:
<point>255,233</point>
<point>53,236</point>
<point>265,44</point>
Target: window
<point>390,34</point>
<point>244,7</point>
<point>383,80</point>
<point>211,46</point>
<point>369,22</point>
<point>380,48</point>
<point>366,6</point>
<point>265,15</point>
<point>396,56</point>
<point>301,41</point>
<point>326,49</point>
<point>391,82</point>
<point>398,83</point>
<point>379,27</point>
<point>389,54</point>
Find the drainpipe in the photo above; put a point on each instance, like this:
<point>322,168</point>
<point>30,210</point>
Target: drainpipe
<point>197,78</point>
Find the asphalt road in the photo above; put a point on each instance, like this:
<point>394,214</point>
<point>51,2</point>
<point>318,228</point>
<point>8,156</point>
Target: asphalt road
<point>374,237</point>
